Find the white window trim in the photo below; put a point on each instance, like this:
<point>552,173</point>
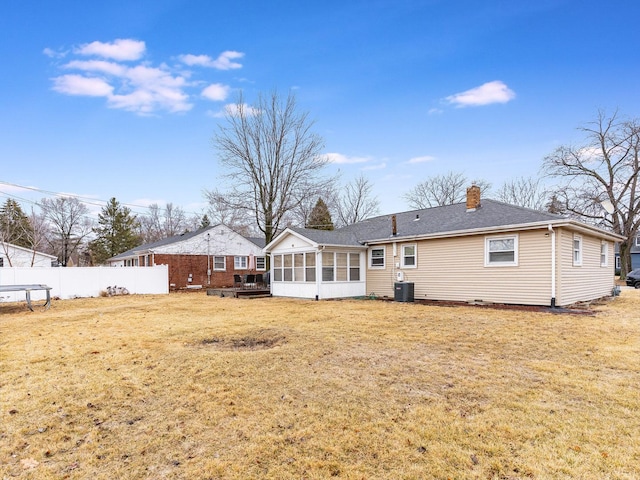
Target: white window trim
<point>264,267</point>
<point>236,262</point>
<point>604,246</point>
<point>487,243</point>
<point>224,261</point>
<point>617,263</point>
<point>384,258</point>
<point>415,255</point>
<point>577,262</point>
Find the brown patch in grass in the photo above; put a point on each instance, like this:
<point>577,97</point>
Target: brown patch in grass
<point>137,387</point>
<point>259,340</point>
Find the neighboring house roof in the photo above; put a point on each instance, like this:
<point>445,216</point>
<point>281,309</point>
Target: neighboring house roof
<point>6,245</point>
<point>150,247</point>
<point>259,241</point>
<point>444,221</point>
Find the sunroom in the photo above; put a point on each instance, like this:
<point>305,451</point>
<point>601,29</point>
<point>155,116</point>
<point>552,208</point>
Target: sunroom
<point>304,266</point>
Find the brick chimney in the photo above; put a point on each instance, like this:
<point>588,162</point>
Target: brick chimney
<point>473,198</point>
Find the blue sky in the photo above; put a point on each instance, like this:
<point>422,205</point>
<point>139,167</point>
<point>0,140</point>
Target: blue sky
<point>121,99</point>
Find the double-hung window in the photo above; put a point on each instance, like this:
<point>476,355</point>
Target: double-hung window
<point>298,267</point>
<point>310,266</point>
<point>501,251</point>
<point>409,256</point>
<point>328,266</point>
<point>577,250</point>
<point>604,254</point>
<point>261,263</point>
<point>219,263</point>
<point>376,257</point>
<point>240,262</point>
<point>354,267</point>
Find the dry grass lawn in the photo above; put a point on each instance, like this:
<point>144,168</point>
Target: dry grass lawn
<point>189,386</point>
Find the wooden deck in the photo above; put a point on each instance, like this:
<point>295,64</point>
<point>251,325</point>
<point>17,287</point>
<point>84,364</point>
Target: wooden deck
<point>239,292</point>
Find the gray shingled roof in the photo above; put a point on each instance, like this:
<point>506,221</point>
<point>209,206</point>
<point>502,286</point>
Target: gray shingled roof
<point>259,241</point>
<point>160,243</point>
<point>430,221</point>
<point>329,237</point>
<point>177,238</point>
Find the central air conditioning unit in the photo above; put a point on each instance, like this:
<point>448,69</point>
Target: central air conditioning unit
<point>400,276</point>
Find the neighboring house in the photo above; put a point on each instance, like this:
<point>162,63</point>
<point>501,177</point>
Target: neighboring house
<point>635,255</point>
<point>485,251</point>
<point>209,257</point>
<point>15,256</point>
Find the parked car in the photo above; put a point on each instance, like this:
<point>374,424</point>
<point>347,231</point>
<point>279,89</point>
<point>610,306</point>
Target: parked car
<point>633,278</point>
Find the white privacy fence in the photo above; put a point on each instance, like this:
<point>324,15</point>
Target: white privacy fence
<point>76,282</point>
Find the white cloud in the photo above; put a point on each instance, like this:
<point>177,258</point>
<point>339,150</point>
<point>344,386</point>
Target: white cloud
<point>139,87</point>
<point>486,94</point>
<point>339,158</point>
<point>79,85</point>
<point>101,66</point>
<point>423,159</point>
<point>120,49</point>
<point>235,111</point>
<point>51,53</point>
<point>592,154</point>
<point>216,92</point>
<point>223,62</point>
<point>154,88</point>
<point>380,166</point>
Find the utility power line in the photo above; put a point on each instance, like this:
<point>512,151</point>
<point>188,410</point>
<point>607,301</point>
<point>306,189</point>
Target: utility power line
<point>84,200</point>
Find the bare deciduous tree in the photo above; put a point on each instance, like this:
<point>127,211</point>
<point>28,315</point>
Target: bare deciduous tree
<point>162,223</point>
<point>69,224</point>
<point>356,202</point>
<point>220,212</point>
<point>525,192</point>
<point>442,190</point>
<point>272,159</point>
<point>604,169</point>
<point>38,234</point>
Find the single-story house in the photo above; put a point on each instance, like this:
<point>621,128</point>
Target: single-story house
<point>15,256</point>
<point>483,251</point>
<point>209,257</point>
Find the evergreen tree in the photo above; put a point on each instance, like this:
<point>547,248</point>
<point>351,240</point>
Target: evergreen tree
<point>320,217</point>
<point>116,232</point>
<point>205,222</point>
<point>15,226</point>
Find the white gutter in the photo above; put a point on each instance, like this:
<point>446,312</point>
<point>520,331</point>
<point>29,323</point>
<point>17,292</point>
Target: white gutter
<point>586,229</point>
<point>553,265</point>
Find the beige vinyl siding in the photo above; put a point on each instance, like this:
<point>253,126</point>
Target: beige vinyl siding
<point>454,269</point>
<point>588,281</point>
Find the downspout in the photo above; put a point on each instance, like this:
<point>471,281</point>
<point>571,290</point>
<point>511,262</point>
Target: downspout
<point>318,272</point>
<point>394,266</point>
<point>553,265</point>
